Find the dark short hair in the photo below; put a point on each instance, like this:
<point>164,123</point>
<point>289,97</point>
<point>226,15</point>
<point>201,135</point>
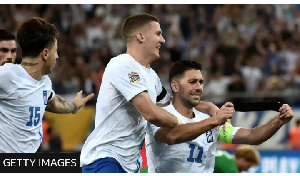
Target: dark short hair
<point>180,67</point>
<point>134,22</point>
<point>34,35</point>
<point>5,35</point>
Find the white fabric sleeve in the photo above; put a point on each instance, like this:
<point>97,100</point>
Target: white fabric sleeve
<point>234,132</point>
<point>5,82</point>
<point>151,129</point>
<point>127,79</point>
<point>50,91</point>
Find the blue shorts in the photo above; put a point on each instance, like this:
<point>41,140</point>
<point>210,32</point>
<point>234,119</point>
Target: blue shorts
<point>104,165</point>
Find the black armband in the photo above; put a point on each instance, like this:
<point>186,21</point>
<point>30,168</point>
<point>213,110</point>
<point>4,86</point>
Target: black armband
<point>161,95</point>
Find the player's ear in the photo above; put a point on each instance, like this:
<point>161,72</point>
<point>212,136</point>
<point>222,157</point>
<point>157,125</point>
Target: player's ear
<point>174,86</point>
<point>139,36</point>
<point>45,54</point>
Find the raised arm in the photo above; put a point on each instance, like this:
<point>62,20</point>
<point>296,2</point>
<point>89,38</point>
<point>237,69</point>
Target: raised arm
<point>61,106</point>
<point>264,132</point>
<point>153,113</point>
<point>190,131</point>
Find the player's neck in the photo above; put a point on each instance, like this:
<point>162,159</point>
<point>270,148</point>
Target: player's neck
<point>139,56</point>
<point>32,67</point>
<point>183,109</point>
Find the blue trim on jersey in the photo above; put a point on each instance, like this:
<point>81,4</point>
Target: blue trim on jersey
<point>138,166</point>
<point>209,136</point>
<point>104,165</point>
<point>45,97</point>
<point>41,136</point>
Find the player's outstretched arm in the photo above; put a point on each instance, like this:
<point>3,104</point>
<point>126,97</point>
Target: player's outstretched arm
<point>153,113</point>
<point>61,106</point>
<point>190,131</point>
<point>264,132</point>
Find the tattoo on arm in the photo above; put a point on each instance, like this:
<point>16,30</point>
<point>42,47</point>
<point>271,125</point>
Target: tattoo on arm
<point>66,107</point>
<point>28,64</point>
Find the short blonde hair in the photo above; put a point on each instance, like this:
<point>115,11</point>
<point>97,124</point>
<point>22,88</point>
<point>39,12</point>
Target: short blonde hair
<point>134,22</point>
<point>249,153</point>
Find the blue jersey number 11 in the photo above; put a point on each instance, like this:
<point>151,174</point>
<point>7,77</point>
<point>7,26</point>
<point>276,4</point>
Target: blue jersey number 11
<point>199,156</point>
<point>34,116</point>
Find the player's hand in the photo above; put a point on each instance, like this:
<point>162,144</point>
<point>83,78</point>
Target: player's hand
<point>79,101</point>
<point>286,113</point>
<point>224,126</point>
<point>213,109</point>
<point>226,112</point>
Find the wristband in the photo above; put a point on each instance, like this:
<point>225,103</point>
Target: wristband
<point>180,121</point>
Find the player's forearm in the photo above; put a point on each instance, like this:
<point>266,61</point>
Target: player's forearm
<point>259,134</point>
<point>185,132</point>
<point>61,106</point>
<point>161,118</point>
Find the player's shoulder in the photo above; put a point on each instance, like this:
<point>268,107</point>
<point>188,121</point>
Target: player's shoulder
<point>121,61</point>
<point>200,114</point>
<point>46,79</point>
<point>9,70</point>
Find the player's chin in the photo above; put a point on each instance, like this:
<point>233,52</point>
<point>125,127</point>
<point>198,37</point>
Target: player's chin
<point>195,102</point>
<point>157,55</point>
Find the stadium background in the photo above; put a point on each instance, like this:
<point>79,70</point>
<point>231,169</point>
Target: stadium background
<point>248,53</point>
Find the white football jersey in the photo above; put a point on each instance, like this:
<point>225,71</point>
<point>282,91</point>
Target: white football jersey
<point>22,106</point>
<point>119,127</point>
<point>197,156</point>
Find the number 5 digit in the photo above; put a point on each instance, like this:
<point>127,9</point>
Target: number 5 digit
<point>37,116</point>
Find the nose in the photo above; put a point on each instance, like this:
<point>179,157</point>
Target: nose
<point>162,40</point>
<point>9,56</point>
<point>199,87</point>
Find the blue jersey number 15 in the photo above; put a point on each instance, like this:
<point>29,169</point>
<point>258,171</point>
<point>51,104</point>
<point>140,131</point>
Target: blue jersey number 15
<point>34,116</point>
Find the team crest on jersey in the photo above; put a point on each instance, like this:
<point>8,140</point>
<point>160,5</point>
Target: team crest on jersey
<point>134,77</point>
<point>45,97</point>
<point>209,136</point>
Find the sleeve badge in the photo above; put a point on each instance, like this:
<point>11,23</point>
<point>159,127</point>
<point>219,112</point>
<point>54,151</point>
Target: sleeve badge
<point>133,77</point>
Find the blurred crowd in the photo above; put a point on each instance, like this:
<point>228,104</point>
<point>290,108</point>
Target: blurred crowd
<point>248,52</point>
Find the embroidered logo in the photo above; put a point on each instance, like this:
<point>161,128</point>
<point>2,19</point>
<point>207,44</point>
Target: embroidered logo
<point>134,77</point>
<point>209,136</point>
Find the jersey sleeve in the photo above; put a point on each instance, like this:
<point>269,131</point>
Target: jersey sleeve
<point>50,91</point>
<point>5,81</point>
<point>127,79</point>
<point>151,129</point>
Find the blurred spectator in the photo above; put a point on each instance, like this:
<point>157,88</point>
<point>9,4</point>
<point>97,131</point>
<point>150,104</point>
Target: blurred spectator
<point>215,89</point>
<point>245,156</point>
<point>55,143</point>
<point>252,74</point>
<point>237,85</point>
<point>51,140</point>
<point>294,136</point>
